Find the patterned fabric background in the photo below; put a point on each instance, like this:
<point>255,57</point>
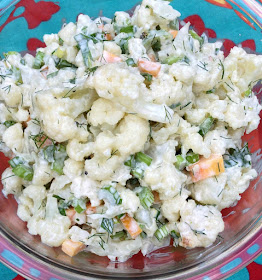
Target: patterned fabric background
<point>35,17</point>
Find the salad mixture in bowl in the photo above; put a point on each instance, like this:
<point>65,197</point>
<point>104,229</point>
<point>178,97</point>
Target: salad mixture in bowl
<point>125,134</point>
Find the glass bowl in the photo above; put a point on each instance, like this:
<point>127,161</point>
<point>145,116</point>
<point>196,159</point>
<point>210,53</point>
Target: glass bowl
<point>22,26</point>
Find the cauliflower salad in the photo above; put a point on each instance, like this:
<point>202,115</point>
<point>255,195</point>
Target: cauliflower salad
<point>125,134</point>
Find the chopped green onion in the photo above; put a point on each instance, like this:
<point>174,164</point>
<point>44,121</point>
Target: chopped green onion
<point>174,59</point>
<point>147,76</point>
<point>39,60</point>
<point>131,162</point>
<point>141,157</point>
<point>61,41</point>
<point>52,75</point>
<point>22,61</point>
<point>174,24</point>
<point>137,173</point>
<point>79,209</point>
<point>127,29</point>
<point>195,36</point>
<point>18,76</point>
<point>240,157</point>
<point>23,171</point>
<point>206,126</point>
<point>143,235</point>
<point>82,41</point>
<point>121,235</point>
<point>146,197</point>
<point>161,233</point>
<point>124,45</point>
<point>62,63</point>
<point>111,194</point>
<point>56,155</point>
<point>10,53</point>
<point>9,123</point>
<point>16,161</point>
<point>180,163</point>
<point>174,106</point>
<point>175,235</point>
<point>108,225</point>
<point>248,92</point>
<point>211,91</point>
<point>192,158</point>
<point>131,62</point>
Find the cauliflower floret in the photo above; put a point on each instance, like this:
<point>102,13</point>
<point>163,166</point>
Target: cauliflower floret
<point>165,179</point>
<point>210,190</point>
<point>73,168</point>
<point>238,180</point>
<point>67,33</point>
<point>199,225</point>
<point>11,183</point>
<point>78,151</point>
<point>14,137</point>
<point>130,201</point>
<point>55,227</point>
<point>42,172</point>
<point>10,94</point>
<point>129,127</point>
<point>136,49</point>
<point>104,111</point>
<point>171,208</point>
<point>86,187</point>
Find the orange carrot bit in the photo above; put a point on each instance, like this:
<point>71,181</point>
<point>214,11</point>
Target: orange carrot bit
<point>44,72</point>
<point>70,213</point>
<point>131,226</point>
<point>149,67</point>
<point>173,33</point>
<point>109,37</point>
<point>110,57</point>
<point>72,248</point>
<point>156,197</point>
<point>90,209</point>
<point>206,167</point>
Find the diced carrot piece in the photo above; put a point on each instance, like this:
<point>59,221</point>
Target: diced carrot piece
<point>47,142</point>
<point>109,37</point>
<point>149,67</point>
<point>206,167</point>
<point>70,213</point>
<point>90,209</point>
<point>131,226</point>
<point>173,33</point>
<point>44,72</point>
<point>152,57</point>
<point>72,248</point>
<point>156,197</point>
<point>110,57</point>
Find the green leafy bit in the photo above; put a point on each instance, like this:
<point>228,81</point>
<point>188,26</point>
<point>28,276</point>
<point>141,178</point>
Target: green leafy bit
<point>108,225</point>
<point>148,77</point>
<point>22,61</point>
<point>161,233</point>
<point>9,123</point>
<point>223,69</point>
<point>131,62</point>
<point>21,168</point>
<point>192,158</point>
<point>174,106</point>
<point>181,162</point>
<point>56,155</point>
<point>17,75</point>
<point>240,157</point>
<point>153,39</point>
<point>248,92</point>
<point>174,59</point>
<point>111,195</point>
<point>211,91</point>
<point>195,36</point>
<point>123,44</point>
<point>60,41</point>
<point>127,29</point>
<point>146,197</point>
<point>175,235</point>
<point>82,42</point>
<point>174,24</point>
<point>52,75</point>
<point>120,235</point>
<point>39,139</point>
<point>141,157</point>
<point>10,53</point>
<point>39,60</point>
<point>143,235</point>
<point>62,63</point>
<point>206,126</point>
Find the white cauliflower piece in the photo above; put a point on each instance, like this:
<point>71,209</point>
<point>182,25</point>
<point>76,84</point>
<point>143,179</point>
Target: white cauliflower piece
<point>136,49</point>
<point>171,207</point>
<point>68,32</point>
<point>78,151</point>
<point>130,202</point>
<point>238,180</point>
<point>11,183</point>
<point>83,187</point>
<point>42,172</point>
<point>104,111</point>
<point>73,168</point>
<point>14,137</point>
<point>210,190</point>
<point>199,225</point>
